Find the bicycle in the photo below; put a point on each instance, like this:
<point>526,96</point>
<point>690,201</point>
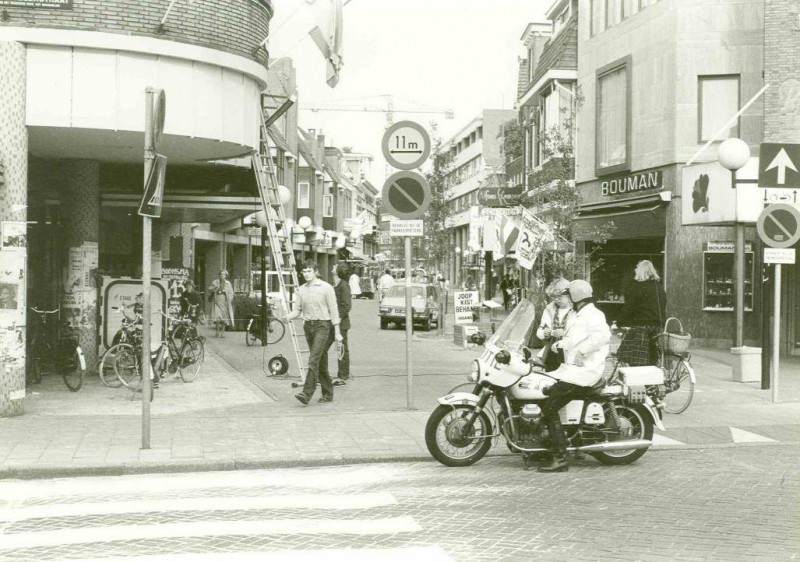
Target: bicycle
<point>166,359</point>
<point>66,357</point>
<point>129,336</point>
<point>274,331</point>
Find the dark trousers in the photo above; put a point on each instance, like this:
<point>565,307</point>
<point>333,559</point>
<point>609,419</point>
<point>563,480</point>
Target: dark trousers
<point>559,395</point>
<point>317,332</point>
<point>344,363</point>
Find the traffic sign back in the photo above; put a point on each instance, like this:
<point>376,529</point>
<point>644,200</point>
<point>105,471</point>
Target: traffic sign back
<point>779,225</point>
<point>778,165</point>
<point>406,195</point>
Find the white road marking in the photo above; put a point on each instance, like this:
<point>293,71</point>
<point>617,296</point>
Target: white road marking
<point>422,553</point>
<point>742,436</point>
<point>156,483</point>
<point>297,501</point>
<point>88,535</point>
<point>660,440</point>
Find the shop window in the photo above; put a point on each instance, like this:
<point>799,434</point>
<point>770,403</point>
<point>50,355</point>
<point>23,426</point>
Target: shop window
<point>718,287</point>
<point>303,195</point>
<point>718,101</point>
<point>613,118</point>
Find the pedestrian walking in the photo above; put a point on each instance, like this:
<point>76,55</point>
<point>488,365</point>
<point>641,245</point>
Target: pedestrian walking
<point>355,285</point>
<point>343,303</point>
<point>385,283</point>
<point>644,312</point>
<point>220,293</point>
<point>504,285</point>
<point>316,304</point>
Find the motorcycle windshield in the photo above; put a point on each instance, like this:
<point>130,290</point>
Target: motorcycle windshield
<point>515,331</point>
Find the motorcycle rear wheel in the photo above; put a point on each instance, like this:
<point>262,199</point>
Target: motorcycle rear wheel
<point>447,445</point>
<point>636,424</point>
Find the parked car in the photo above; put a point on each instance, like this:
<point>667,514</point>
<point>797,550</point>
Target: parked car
<point>424,305</point>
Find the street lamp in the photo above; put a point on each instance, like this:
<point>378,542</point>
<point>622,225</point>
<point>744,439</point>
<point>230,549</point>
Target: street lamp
<point>734,155</point>
<point>304,223</point>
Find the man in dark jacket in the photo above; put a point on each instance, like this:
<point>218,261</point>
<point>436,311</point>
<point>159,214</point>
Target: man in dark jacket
<point>340,275</point>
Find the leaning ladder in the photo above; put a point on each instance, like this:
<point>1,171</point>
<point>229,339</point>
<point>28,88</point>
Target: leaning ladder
<point>280,247</point>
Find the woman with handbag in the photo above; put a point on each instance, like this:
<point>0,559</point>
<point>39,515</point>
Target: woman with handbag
<point>644,312</point>
<point>553,323</point>
<point>220,293</point>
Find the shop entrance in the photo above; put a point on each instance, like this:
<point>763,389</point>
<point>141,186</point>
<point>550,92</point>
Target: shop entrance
<point>613,265</point>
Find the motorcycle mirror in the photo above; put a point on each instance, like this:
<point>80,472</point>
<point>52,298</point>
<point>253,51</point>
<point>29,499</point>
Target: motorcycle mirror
<point>503,357</point>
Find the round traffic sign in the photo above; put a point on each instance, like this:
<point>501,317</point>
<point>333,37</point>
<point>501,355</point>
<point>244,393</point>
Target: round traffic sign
<point>779,225</point>
<point>406,145</point>
<point>406,195</point>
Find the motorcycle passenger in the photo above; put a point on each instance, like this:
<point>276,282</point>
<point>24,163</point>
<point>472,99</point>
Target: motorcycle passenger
<point>553,323</point>
<point>585,345</point>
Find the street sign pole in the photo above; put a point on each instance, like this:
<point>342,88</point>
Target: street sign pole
<point>409,326</point>
<point>776,326</point>
<point>147,238</point>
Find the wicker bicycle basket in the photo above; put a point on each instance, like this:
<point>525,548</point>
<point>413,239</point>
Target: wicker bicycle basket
<point>674,342</point>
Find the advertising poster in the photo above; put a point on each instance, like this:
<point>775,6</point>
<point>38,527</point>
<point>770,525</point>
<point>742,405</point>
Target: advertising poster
<point>175,277</point>
<point>533,234</point>
<point>14,236</point>
<point>123,293</point>
<point>79,301</point>
<point>465,303</point>
<point>12,308</point>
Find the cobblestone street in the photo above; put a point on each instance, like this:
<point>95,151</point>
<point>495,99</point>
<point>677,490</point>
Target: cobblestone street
<point>709,504</point>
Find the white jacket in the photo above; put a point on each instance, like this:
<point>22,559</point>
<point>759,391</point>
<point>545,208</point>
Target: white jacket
<point>585,346</point>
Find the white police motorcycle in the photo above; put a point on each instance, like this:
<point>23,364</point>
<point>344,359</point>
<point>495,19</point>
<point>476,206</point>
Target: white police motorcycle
<point>613,422</point>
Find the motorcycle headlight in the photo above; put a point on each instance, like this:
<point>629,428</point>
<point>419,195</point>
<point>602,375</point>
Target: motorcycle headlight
<point>475,372</point>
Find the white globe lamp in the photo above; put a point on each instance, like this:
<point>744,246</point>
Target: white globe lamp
<point>734,154</point>
<point>261,219</point>
<point>341,241</point>
<point>284,195</point>
<point>304,222</point>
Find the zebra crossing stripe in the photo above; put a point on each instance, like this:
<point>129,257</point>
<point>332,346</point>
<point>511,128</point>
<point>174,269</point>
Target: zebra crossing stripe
<point>307,501</point>
<point>742,436</point>
<point>662,441</point>
<point>426,553</point>
<point>260,527</point>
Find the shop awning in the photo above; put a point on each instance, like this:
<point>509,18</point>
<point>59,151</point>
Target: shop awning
<point>644,218</point>
<point>355,255</point>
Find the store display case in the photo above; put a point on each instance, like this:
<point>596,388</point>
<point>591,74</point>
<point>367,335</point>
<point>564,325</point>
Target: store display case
<point>718,287</point>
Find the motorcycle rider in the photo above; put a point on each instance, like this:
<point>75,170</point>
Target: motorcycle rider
<point>585,346</point>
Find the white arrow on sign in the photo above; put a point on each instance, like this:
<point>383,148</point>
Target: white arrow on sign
<point>781,161</point>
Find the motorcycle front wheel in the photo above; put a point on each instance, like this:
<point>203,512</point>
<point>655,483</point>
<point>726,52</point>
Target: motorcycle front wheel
<point>636,423</point>
<point>447,442</point>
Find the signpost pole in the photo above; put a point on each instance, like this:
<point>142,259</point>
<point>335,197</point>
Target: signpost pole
<point>147,237</point>
<point>776,326</point>
<point>738,251</point>
<point>409,325</point>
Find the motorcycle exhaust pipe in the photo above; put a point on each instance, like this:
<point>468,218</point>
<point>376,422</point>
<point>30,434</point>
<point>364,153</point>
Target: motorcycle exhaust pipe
<point>613,446</point>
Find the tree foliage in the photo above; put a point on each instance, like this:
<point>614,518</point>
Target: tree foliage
<point>436,243</point>
<point>513,135</point>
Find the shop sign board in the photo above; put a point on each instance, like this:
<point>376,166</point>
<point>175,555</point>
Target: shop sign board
<point>500,196</point>
<point>779,163</point>
<point>465,302</point>
<point>629,183</point>
<point>779,225</point>
<point>46,4</point>
<point>708,196</point>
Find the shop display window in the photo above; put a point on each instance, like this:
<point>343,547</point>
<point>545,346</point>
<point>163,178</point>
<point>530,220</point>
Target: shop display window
<point>718,288</point>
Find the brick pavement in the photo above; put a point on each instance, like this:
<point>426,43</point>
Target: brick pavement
<point>235,417</point>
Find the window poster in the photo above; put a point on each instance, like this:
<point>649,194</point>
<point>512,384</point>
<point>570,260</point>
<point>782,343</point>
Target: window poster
<point>12,308</point>
<point>13,235</point>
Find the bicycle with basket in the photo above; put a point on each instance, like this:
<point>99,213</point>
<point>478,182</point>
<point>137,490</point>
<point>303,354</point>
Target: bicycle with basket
<point>674,359</point>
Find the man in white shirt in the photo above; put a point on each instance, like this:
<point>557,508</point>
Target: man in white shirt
<point>385,283</point>
<point>316,303</point>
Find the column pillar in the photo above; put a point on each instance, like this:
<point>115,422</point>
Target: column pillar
<point>79,196</point>
<point>13,214</point>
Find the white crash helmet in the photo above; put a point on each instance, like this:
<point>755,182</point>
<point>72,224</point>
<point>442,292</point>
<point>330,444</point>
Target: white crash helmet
<point>580,290</point>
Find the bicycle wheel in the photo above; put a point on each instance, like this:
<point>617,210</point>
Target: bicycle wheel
<point>72,365</point>
<point>108,376</point>
<point>191,359</point>
<point>275,331</point>
<point>126,366</point>
<point>680,388</point>
<point>249,335</point>
<point>37,358</point>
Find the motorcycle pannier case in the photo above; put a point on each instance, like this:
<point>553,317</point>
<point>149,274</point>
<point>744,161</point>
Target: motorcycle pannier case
<point>642,376</point>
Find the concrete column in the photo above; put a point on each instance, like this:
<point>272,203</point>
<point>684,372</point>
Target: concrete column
<point>79,195</point>
<point>13,202</point>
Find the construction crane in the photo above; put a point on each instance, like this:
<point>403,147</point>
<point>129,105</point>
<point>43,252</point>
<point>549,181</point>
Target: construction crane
<point>389,109</point>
